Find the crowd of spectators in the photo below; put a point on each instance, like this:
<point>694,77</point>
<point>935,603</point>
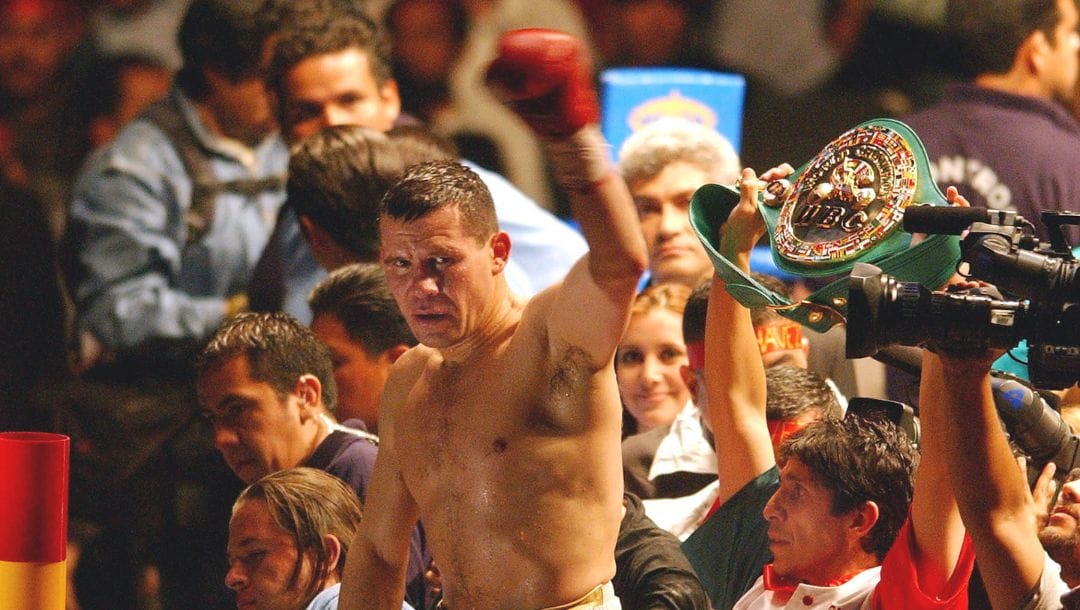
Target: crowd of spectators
<point>196,194</point>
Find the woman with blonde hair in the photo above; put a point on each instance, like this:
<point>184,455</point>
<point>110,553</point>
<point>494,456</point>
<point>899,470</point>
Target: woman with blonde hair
<point>650,356</point>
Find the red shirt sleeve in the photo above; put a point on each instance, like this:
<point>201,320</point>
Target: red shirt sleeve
<point>899,586</point>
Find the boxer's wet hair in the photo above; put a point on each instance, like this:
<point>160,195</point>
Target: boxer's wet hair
<point>434,185</point>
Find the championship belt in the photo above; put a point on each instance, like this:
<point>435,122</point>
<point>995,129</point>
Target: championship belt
<point>845,206</point>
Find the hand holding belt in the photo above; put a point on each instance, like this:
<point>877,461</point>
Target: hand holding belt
<point>845,206</point>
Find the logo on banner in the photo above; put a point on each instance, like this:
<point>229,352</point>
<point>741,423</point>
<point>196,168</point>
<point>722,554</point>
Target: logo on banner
<point>671,105</point>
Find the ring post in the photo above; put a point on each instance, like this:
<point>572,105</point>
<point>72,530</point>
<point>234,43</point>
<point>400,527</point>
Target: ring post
<point>33,520</point>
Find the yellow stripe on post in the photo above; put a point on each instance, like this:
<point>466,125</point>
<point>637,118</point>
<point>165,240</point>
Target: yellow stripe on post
<point>33,520</point>
<point>37,586</point>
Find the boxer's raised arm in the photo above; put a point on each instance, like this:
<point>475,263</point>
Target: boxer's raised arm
<point>546,78</point>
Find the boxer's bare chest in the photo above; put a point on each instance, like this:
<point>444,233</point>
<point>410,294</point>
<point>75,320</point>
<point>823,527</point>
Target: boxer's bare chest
<point>458,413</point>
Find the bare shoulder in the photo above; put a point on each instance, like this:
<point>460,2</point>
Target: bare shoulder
<point>536,312</point>
<point>405,372</point>
<point>578,317</point>
<point>539,321</point>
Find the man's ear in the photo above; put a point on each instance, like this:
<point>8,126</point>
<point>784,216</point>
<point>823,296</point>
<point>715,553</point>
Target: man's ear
<point>691,382</point>
<point>214,78</point>
<point>500,250</point>
<point>314,233</point>
<point>333,555</point>
<point>327,251</point>
<point>307,227</point>
<point>1035,51</point>
<point>277,108</point>
<point>309,390</point>
<point>331,574</point>
<point>391,100</point>
<point>863,518</point>
<point>102,129</point>
<point>395,352</point>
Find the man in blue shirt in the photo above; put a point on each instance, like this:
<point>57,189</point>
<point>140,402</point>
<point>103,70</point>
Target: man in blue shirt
<point>167,222</point>
<point>335,70</point>
<point>160,261</point>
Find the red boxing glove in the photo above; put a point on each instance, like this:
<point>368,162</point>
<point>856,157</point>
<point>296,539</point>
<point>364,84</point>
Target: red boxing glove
<point>545,76</point>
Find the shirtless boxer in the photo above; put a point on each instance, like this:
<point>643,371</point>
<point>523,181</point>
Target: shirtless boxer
<point>501,430</point>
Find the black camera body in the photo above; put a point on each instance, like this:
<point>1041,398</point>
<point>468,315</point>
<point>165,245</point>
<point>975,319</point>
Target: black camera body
<point>1041,283</point>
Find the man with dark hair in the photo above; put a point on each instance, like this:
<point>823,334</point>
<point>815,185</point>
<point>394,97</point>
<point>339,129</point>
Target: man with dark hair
<point>881,461</point>
<point>169,219</point>
<point>332,67</point>
<point>319,66</point>
<point>289,536</point>
<point>1007,137</point>
<point>266,383</point>
<point>356,316</point>
<point>501,429</point>
<point>167,223</point>
<point>794,398</point>
<point>829,506</point>
<point>336,178</point>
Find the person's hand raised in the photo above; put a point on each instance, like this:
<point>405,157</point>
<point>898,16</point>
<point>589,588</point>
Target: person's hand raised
<point>744,227</point>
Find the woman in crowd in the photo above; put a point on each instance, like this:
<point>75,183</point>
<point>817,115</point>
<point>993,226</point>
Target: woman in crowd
<point>650,355</point>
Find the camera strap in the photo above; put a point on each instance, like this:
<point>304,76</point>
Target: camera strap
<point>844,206</point>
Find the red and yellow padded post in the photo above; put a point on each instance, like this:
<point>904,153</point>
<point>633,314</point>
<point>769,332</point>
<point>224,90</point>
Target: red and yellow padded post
<point>33,520</point>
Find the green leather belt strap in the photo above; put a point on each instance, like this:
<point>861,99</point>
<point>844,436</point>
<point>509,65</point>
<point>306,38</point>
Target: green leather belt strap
<point>844,206</point>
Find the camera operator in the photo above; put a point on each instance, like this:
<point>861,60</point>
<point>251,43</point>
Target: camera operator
<point>998,510</point>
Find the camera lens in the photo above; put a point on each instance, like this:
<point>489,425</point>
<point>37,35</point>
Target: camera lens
<point>883,311</point>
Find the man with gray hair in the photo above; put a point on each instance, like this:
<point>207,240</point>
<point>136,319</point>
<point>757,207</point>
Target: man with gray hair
<point>663,164</point>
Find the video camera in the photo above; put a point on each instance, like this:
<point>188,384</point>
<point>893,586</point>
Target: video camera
<point>1033,423</point>
<point>899,413</point>
<point>1035,426</point>
<point>1042,283</point>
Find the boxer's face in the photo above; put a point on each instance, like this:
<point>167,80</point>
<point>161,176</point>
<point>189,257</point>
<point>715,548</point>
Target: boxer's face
<point>442,276</point>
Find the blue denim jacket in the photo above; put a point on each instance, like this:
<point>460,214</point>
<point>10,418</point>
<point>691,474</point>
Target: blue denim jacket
<point>139,279</point>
